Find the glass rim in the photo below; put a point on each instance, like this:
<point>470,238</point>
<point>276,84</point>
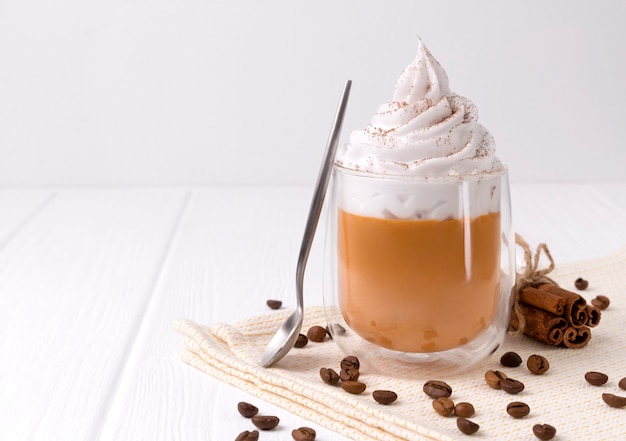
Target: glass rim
<point>405,177</point>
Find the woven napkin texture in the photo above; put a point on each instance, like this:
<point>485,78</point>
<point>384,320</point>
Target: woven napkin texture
<point>561,397</point>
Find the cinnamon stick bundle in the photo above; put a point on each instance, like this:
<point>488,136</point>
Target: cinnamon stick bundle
<point>555,316</point>
<point>546,312</point>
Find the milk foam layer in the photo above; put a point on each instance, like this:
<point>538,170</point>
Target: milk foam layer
<point>426,130</point>
<point>372,195</point>
<point>423,156</point>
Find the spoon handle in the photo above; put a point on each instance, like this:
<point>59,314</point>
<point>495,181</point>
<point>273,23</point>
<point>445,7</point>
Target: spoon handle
<point>320,191</point>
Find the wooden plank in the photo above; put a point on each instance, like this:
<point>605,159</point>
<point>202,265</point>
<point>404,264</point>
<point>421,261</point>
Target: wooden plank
<point>74,285</point>
<point>236,248</point>
<point>18,207</point>
<point>606,221</point>
<point>577,221</point>
<point>613,194</point>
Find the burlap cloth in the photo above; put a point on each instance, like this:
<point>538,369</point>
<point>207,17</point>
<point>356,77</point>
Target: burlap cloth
<point>561,397</point>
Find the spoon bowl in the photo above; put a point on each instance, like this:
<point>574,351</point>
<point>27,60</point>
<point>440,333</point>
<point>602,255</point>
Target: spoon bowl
<point>284,339</point>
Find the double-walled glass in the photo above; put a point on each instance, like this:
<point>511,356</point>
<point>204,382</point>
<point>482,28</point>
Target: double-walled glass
<point>419,269</point>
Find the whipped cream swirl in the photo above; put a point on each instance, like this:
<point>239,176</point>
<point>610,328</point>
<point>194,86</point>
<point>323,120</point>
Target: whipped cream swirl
<point>426,130</point>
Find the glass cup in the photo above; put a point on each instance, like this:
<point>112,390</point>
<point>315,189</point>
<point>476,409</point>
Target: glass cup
<point>418,270</point>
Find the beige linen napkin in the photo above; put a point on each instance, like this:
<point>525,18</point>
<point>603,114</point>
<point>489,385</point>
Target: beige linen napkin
<point>561,397</point>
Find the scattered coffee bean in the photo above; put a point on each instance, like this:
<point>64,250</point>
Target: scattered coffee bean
<point>511,386</point>
<point>316,333</point>
<point>614,400</point>
<point>537,364</point>
<point>466,426</point>
<point>464,409</point>
<point>274,304</point>
<point>494,378</point>
<point>350,374</point>
<point>581,284</point>
<point>544,431</point>
<point>443,406</point>
<point>601,302</point>
<point>437,389</point>
<point>248,436</point>
<point>517,409</point>
<point>350,362</point>
<point>329,376</point>
<point>265,422</point>
<point>511,359</point>
<point>384,396</point>
<point>301,341</point>
<point>246,409</point>
<point>353,387</point>
<point>596,378</point>
<point>303,434</point>
<point>622,383</point>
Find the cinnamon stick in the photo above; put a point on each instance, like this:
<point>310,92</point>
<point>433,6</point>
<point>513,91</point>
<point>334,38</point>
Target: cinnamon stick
<point>543,299</point>
<point>575,312</point>
<point>576,338</point>
<point>593,316</point>
<point>542,325</point>
<point>580,316</point>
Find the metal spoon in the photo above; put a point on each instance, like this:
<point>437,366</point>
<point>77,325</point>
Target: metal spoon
<point>287,334</point>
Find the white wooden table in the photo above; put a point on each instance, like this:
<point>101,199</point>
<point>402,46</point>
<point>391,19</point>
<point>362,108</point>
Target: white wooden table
<point>91,280</point>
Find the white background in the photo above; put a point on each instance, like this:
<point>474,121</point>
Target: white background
<point>188,93</point>
<point>202,92</point>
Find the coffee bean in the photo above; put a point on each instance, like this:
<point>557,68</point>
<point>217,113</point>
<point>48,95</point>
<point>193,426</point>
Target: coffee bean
<point>443,406</point>
<point>601,302</point>
<point>303,434</point>
<point>622,383</point>
<point>544,431</point>
<point>464,409</point>
<point>511,359</point>
<point>316,334</point>
<point>517,409</point>
<point>614,400</point>
<point>329,376</point>
<point>437,389</point>
<point>537,364</point>
<point>248,436</point>
<point>350,362</point>
<point>353,387</point>
<point>274,304</point>
<point>265,422</point>
<point>246,409</point>
<point>511,386</point>
<point>301,341</point>
<point>596,378</point>
<point>581,284</point>
<point>494,378</point>
<point>384,396</point>
<point>350,374</point>
<point>466,426</point>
